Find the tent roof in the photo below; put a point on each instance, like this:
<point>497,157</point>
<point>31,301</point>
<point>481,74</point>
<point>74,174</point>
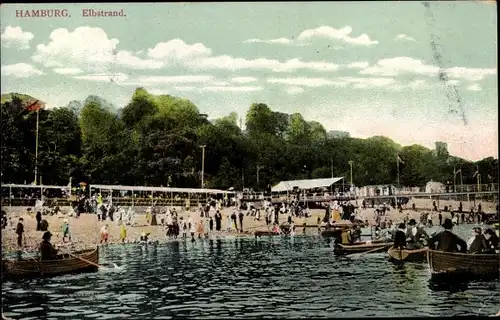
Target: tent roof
<point>33,186</point>
<point>157,189</point>
<point>304,184</point>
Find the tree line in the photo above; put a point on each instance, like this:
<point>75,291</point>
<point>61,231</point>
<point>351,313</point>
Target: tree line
<point>156,140</point>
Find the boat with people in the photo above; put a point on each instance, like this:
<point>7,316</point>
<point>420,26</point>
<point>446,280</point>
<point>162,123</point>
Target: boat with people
<point>407,255</point>
<point>64,263</point>
<point>469,265</point>
<point>361,247</point>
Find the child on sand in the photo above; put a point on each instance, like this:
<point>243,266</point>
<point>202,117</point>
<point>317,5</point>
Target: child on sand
<point>104,234</point>
<point>123,232</point>
<point>65,231</point>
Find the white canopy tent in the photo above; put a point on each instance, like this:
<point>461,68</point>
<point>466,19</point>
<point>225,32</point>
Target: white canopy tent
<point>285,186</point>
<point>189,191</point>
<point>34,186</point>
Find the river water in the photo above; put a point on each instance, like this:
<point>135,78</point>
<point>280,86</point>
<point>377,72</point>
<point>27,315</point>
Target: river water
<point>245,278</point>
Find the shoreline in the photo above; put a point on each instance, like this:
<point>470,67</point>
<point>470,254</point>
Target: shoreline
<point>85,230</point>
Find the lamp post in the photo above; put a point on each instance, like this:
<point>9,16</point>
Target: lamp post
<point>350,164</point>
<point>258,169</point>
<point>202,165</point>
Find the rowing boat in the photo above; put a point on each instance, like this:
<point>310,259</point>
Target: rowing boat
<point>63,264</point>
<point>265,233</point>
<point>345,249</point>
<point>416,255</point>
<point>464,264</point>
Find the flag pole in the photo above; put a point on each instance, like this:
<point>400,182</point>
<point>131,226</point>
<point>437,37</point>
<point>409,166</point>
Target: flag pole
<point>36,145</point>
<point>397,161</point>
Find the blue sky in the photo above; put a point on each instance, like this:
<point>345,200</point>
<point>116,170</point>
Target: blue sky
<point>367,68</point>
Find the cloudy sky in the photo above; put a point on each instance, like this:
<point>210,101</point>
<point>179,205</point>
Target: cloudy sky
<point>414,73</point>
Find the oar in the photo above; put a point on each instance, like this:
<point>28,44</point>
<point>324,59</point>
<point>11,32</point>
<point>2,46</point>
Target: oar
<point>85,260</point>
<point>370,251</point>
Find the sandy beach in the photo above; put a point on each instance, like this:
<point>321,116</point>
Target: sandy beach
<point>85,230</point>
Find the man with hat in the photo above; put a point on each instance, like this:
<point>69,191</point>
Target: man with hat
<point>415,235</point>
<point>477,243</point>
<point>447,240</point>
<point>400,237</point>
<point>492,240</point>
<point>47,251</point>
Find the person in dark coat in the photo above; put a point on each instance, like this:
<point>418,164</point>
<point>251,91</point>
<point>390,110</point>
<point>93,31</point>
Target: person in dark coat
<point>440,219</point>
<point>38,220</point>
<point>477,243</point>
<point>400,237</point>
<point>447,240</point>
<point>218,221</point>
<point>47,251</point>
<point>240,216</point>
<point>460,207</point>
<point>20,232</point>
<point>276,214</point>
<point>492,240</point>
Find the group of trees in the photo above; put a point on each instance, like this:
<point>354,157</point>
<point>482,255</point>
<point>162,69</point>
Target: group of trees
<point>157,140</point>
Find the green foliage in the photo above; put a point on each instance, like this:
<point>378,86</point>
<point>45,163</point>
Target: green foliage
<point>157,140</point>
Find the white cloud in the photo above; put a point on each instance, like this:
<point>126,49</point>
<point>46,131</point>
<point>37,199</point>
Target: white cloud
<point>68,70</point>
<point>362,83</point>
<point>185,88</point>
<point>294,90</point>
<point>474,87</point>
<point>336,34</point>
<point>178,50</point>
<point>243,79</point>
<point>20,70</point>
<point>400,65</point>
<point>149,80</point>
<point>104,77</point>
<point>14,37</point>
<point>404,37</point>
<point>406,65</point>
<point>306,82</point>
<point>229,63</point>
<point>89,49</point>
<point>471,74</point>
<point>231,89</point>
<point>220,83</point>
<point>358,65</point>
<point>271,41</point>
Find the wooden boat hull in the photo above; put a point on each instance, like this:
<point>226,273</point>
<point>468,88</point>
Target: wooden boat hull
<point>344,249</point>
<point>64,264</point>
<point>265,233</point>
<point>463,264</point>
<point>405,255</point>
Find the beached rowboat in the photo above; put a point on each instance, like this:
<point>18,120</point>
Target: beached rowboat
<point>464,264</point>
<point>64,264</point>
<point>417,255</point>
<point>265,233</point>
<point>361,247</point>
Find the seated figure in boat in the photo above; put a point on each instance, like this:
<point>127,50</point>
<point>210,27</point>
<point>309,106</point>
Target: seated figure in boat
<point>47,251</point>
<point>447,240</point>
<point>345,237</point>
<point>416,237</point>
<point>477,243</point>
<point>356,234</point>
<point>492,240</point>
<point>400,237</point>
<point>276,228</point>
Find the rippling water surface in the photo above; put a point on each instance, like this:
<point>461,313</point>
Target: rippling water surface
<point>245,278</point>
